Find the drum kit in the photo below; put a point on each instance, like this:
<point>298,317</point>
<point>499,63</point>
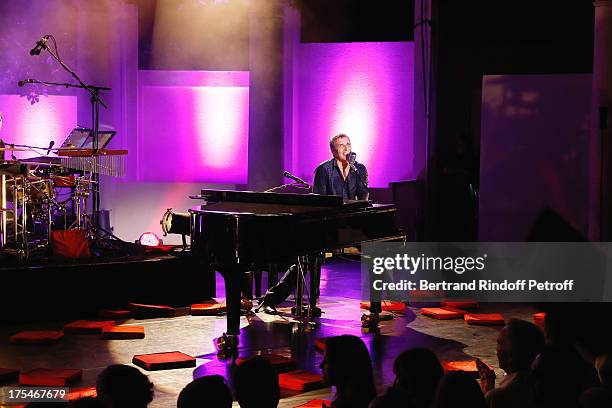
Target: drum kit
<point>41,194</point>
<point>33,202</point>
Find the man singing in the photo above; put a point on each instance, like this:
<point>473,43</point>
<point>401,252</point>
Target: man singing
<point>338,176</point>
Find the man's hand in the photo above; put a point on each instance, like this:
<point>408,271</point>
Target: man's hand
<point>487,376</point>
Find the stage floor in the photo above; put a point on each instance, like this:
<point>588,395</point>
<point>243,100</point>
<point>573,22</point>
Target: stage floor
<point>260,334</point>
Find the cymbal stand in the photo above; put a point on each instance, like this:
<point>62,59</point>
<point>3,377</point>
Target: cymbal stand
<point>19,188</point>
<point>3,209</point>
<point>82,191</point>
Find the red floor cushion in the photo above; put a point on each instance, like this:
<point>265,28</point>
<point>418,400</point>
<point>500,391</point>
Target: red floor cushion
<point>443,313</point>
<point>78,393</point>
<point>387,305</point>
<point>8,375</point>
<point>320,344</point>
<point>469,366</point>
<point>123,332</point>
<point>538,319</point>
<point>37,337</point>
<point>282,364</point>
<point>144,311</point>
<point>208,309</point>
<point>51,377</point>
<point>300,380</point>
<point>87,326</point>
<point>484,319</point>
<point>114,314</point>
<point>460,304</point>
<point>164,361</point>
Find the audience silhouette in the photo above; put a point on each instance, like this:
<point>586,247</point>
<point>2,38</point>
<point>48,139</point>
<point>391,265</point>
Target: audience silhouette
<point>208,391</point>
<point>347,366</point>
<point>250,378</point>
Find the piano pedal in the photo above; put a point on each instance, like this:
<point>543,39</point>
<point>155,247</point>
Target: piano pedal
<point>306,311</point>
<point>370,320</point>
<point>246,305</point>
<point>314,312</point>
<point>226,344</point>
<point>385,316</point>
<point>269,310</point>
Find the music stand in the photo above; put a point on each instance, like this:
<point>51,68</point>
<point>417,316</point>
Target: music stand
<point>83,138</point>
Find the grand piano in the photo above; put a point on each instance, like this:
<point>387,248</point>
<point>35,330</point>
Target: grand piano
<point>233,232</point>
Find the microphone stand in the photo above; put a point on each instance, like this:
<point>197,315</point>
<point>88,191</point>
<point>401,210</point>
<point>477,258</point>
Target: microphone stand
<point>283,186</point>
<point>354,167</point>
<point>96,101</point>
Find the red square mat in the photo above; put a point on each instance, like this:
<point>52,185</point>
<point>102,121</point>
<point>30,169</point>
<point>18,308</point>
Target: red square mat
<point>300,380</point>
<point>208,309</point>
<point>164,361</point>
<point>144,311</point>
<point>78,393</point>
<point>123,332</point>
<point>487,319</point>
<point>51,377</point>
<point>538,319</point>
<point>282,364</point>
<point>460,304</point>
<point>442,313</point>
<point>387,305</point>
<point>115,314</point>
<point>320,344</point>
<point>37,337</point>
<point>469,366</point>
<point>87,326</point>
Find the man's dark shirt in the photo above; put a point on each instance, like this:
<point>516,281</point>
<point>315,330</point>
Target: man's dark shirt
<point>329,181</point>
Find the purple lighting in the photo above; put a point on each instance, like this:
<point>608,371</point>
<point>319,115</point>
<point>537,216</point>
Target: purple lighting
<point>51,118</point>
<point>364,90</point>
<point>193,126</point>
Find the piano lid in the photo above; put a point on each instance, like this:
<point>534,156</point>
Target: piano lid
<point>315,200</point>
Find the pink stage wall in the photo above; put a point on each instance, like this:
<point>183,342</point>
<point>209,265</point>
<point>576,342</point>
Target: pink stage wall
<point>193,126</point>
<point>50,118</point>
<point>364,90</point>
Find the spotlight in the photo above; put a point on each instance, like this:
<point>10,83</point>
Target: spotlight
<point>175,223</point>
<point>149,239</point>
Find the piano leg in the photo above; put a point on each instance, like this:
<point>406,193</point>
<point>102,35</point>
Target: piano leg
<point>302,265</point>
<point>314,266</point>
<point>371,320</point>
<point>233,278</point>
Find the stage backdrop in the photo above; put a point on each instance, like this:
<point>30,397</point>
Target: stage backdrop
<point>193,126</point>
<point>533,152</point>
<point>364,90</point>
<point>35,120</point>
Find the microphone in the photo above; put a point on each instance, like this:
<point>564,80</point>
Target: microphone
<point>25,81</point>
<point>352,157</point>
<point>51,143</point>
<point>40,45</point>
<point>295,178</point>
